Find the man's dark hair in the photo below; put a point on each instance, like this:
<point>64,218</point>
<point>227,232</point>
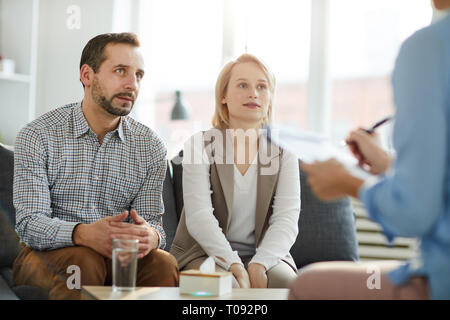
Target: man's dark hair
<point>93,53</point>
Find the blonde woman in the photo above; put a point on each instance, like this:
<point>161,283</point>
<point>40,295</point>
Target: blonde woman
<point>241,194</point>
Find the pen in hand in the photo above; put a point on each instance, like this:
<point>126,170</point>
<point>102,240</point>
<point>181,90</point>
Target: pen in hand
<point>379,123</point>
<point>372,129</point>
<point>354,147</point>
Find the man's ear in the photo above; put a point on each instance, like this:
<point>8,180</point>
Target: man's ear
<point>86,75</point>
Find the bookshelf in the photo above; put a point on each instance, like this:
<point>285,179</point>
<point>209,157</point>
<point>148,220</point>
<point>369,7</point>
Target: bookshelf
<point>18,41</point>
<point>16,77</point>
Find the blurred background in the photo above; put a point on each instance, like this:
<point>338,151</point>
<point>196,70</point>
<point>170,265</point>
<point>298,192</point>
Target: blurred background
<point>332,58</point>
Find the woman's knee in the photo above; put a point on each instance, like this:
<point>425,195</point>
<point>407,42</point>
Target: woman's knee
<point>280,276</point>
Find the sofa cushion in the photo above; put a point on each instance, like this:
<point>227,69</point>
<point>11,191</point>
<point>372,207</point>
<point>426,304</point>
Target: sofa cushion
<point>30,293</point>
<point>170,220</point>
<point>6,182</point>
<point>7,274</point>
<point>177,179</point>
<point>5,291</point>
<point>9,241</point>
<point>326,229</point>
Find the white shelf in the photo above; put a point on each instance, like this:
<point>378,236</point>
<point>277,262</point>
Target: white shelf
<point>15,77</point>
<point>19,22</point>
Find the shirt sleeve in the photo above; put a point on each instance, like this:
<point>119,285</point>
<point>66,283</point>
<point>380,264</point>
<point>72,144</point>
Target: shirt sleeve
<point>283,224</point>
<point>200,221</point>
<point>34,222</point>
<point>149,202</point>
<point>409,202</point>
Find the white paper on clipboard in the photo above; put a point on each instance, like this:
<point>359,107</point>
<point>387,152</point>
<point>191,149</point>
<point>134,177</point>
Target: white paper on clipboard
<point>310,147</point>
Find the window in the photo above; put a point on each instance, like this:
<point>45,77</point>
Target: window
<point>365,37</point>
<point>187,42</point>
<point>182,43</point>
<point>186,45</point>
<point>278,32</point>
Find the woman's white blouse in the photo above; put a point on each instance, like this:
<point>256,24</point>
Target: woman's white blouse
<point>241,231</point>
<point>240,238</point>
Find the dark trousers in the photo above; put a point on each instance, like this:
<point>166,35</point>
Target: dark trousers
<point>50,270</point>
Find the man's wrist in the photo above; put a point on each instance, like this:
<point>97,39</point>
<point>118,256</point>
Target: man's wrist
<point>78,237</point>
<point>158,237</point>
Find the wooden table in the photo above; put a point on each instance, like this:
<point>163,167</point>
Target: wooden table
<point>162,293</point>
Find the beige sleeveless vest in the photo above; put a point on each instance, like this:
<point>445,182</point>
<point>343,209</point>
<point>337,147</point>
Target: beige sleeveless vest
<point>185,249</point>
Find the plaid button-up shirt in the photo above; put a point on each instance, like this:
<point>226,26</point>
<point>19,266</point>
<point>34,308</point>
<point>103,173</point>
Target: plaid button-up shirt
<point>63,176</point>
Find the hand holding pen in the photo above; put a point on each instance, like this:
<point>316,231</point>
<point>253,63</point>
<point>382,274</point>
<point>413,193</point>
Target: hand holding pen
<point>363,143</point>
<point>379,123</point>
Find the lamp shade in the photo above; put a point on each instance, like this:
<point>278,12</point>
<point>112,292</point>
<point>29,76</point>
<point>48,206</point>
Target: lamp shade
<point>179,110</point>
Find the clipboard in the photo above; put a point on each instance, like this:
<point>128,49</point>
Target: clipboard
<point>310,147</point>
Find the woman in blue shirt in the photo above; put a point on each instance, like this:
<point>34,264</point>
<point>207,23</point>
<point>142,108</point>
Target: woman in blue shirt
<point>411,199</point>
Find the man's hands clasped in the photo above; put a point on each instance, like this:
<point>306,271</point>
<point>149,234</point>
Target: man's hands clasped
<point>100,234</point>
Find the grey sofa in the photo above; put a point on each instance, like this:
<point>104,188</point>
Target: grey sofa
<point>326,230</point>
<point>9,241</point>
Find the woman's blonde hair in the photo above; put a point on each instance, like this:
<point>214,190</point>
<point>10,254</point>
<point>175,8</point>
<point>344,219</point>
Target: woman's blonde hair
<point>221,117</point>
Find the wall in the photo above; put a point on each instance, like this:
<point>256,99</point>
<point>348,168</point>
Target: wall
<point>16,43</point>
<point>46,40</point>
<point>60,48</point>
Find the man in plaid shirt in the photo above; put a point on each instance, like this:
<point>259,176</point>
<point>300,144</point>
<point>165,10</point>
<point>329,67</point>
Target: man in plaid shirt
<point>86,173</point>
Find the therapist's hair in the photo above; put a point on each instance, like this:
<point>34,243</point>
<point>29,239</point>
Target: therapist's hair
<point>221,117</point>
<point>94,52</point>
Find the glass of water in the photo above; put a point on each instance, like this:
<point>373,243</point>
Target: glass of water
<point>124,264</point>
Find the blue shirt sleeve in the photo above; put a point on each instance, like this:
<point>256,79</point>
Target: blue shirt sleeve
<point>409,202</point>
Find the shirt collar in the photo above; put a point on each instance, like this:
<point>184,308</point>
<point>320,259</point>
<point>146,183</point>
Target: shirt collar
<point>121,127</point>
<point>81,126</point>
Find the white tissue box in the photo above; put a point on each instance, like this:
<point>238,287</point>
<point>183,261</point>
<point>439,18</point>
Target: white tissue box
<point>197,283</point>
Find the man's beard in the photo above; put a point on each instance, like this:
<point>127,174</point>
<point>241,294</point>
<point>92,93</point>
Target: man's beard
<point>100,99</point>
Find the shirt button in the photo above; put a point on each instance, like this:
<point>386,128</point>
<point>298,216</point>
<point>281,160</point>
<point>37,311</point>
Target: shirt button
<point>96,178</point>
